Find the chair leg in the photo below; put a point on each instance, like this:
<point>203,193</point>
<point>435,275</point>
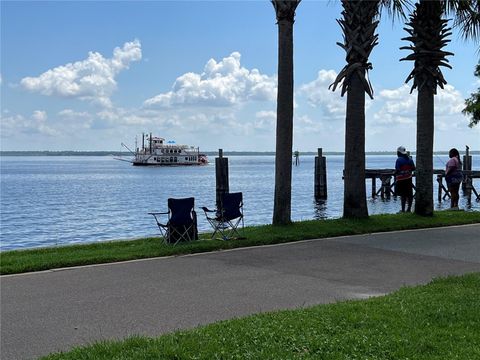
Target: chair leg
<point>229,229</point>
<point>185,234</point>
<point>215,226</point>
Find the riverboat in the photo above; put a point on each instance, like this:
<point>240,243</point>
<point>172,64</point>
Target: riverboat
<point>156,151</point>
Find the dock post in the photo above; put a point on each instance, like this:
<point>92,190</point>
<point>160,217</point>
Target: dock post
<point>382,187</point>
<point>320,176</point>
<point>221,177</point>
<point>374,187</point>
<point>468,189</point>
<point>467,165</point>
<point>388,185</point>
<point>385,189</point>
<point>440,188</point>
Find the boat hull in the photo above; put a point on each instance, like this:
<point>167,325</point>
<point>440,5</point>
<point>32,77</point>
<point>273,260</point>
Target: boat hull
<point>134,163</point>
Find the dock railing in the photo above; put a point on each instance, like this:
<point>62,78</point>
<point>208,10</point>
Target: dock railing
<point>388,181</point>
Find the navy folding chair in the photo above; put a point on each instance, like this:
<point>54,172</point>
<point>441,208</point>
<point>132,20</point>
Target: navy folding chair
<point>227,219</point>
<point>181,223</point>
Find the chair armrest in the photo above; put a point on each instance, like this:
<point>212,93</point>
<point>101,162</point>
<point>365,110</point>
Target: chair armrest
<point>208,210</point>
<point>157,220</point>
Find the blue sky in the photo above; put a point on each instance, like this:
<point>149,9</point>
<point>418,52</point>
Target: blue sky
<point>90,75</point>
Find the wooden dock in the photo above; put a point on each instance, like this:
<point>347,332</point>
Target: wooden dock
<point>388,180</point>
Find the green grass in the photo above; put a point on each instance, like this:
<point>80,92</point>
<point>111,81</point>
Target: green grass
<point>438,321</point>
<point>19,261</point>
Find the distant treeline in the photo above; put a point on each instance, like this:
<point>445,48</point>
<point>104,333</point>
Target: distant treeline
<point>209,153</point>
<point>64,153</point>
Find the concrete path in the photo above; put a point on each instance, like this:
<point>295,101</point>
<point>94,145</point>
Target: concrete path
<point>55,310</point>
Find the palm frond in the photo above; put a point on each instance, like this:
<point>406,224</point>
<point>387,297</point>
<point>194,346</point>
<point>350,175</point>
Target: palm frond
<point>466,17</point>
<point>285,9</point>
<point>428,34</point>
<point>396,9</point>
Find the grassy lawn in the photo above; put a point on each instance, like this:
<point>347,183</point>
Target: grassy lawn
<point>19,261</point>
<point>440,320</point>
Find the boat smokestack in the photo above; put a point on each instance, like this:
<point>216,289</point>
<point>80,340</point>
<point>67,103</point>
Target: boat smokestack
<point>143,141</point>
<point>150,143</point>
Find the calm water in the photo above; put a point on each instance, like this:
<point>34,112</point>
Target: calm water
<point>47,201</point>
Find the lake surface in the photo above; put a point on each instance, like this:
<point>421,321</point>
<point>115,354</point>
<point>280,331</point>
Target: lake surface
<point>48,201</point>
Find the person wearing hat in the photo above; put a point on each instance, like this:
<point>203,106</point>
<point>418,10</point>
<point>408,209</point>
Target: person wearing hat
<point>404,167</point>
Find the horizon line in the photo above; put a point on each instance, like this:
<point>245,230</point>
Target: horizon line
<point>225,152</point>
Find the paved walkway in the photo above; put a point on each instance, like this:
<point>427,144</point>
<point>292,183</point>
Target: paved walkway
<point>55,310</point>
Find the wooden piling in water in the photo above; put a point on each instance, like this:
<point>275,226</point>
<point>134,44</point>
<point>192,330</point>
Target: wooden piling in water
<point>296,155</point>
<point>221,177</point>
<point>467,166</point>
<point>386,189</point>
<point>320,187</point>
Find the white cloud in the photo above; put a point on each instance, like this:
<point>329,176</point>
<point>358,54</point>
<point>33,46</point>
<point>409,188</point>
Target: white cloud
<point>319,96</point>
<point>92,79</point>
<point>265,120</point>
<point>35,124</point>
<point>39,116</point>
<point>221,84</point>
<point>305,125</point>
<point>449,101</point>
<point>71,114</point>
<point>72,121</point>
<point>398,106</point>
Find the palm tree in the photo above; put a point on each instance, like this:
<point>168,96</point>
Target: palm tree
<point>285,13</point>
<point>428,36</point>
<point>360,20</point>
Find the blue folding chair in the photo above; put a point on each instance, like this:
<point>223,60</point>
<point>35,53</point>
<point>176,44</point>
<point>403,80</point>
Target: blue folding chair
<point>181,225</point>
<point>227,219</point>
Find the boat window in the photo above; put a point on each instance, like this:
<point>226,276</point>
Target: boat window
<point>171,159</point>
<point>175,159</point>
<point>186,158</point>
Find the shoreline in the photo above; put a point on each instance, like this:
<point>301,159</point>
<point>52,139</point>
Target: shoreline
<point>208,153</point>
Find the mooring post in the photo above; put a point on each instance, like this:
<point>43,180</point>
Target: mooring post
<point>467,165</point>
<point>374,187</point>
<point>320,176</point>
<point>221,177</point>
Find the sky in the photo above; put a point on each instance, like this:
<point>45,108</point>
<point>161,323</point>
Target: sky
<point>90,75</point>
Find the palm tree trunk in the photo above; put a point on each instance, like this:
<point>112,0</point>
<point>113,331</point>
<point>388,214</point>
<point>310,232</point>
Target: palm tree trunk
<point>283,153</point>
<point>424,172</point>
<point>354,197</point>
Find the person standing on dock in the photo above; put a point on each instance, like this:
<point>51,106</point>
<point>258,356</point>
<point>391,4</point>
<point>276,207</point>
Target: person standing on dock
<point>404,167</point>
<point>454,177</point>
